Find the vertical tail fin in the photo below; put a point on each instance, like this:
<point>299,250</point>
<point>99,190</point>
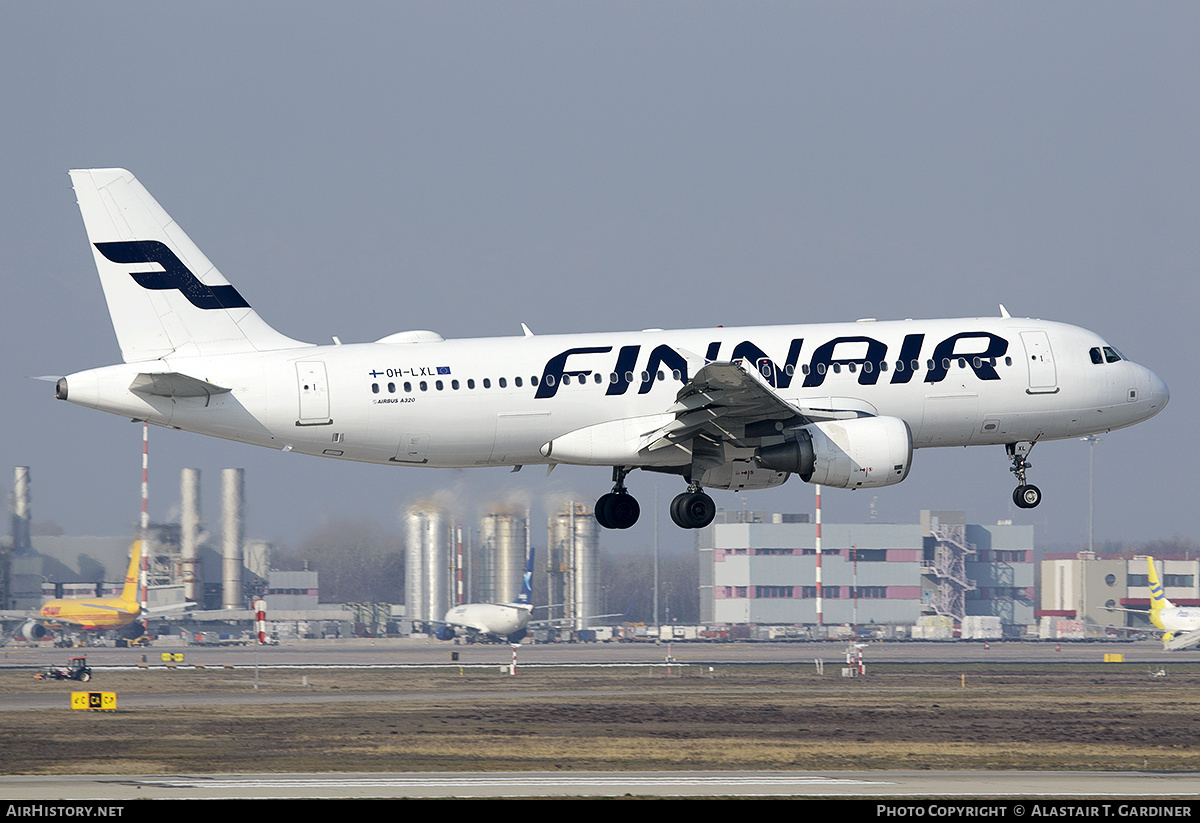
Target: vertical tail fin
<point>163,294</point>
<point>1158,600</point>
<point>526,595</point>
<point>130,590</point>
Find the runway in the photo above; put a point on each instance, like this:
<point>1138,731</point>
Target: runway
<point>1125,786</point>
<point>280,665</point>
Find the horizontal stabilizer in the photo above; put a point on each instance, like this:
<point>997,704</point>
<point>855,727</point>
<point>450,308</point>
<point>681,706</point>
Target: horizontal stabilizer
<point>1183,641</point>
<point>174,384</point>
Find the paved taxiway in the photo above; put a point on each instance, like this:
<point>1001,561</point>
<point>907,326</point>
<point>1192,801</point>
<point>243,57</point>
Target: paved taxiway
<point>421,652</point>
<point>897,784</point>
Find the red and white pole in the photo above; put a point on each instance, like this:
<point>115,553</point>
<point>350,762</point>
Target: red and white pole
<point>260,620</point>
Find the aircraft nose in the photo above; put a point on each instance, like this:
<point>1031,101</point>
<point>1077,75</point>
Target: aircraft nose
<point>1159,393</point>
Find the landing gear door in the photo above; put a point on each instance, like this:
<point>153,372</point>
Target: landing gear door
<point>1043,377</point>
<point>314,394</point>
<point>413,449</point>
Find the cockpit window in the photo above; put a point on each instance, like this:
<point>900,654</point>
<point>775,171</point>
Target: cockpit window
<point>1105,354</point>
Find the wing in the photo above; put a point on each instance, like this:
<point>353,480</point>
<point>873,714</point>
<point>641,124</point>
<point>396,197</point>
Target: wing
<point>731,402</point>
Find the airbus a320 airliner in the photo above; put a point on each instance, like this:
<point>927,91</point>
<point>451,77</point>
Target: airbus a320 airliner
<point>839,404</point>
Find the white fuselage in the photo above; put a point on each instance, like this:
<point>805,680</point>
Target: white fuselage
<point>493,619</point>
<point>415,399</point>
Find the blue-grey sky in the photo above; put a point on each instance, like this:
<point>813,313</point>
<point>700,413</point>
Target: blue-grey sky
<point>357,169</point>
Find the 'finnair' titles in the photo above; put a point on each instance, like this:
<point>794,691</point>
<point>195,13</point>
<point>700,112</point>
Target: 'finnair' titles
<point>838,404</point>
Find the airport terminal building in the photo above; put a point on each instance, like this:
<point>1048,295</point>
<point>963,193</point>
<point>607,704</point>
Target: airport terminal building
<point>761,569</point>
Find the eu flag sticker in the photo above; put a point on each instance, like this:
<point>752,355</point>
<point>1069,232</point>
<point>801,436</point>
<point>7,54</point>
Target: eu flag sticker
<point>443,369</point>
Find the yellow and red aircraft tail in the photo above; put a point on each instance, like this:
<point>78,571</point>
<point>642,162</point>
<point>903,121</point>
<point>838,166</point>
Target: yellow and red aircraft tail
<point>130,590</point>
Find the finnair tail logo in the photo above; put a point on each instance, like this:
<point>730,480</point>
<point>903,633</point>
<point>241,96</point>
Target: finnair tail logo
<point>174,274</point>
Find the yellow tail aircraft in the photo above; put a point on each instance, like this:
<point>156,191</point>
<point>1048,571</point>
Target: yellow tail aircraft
<point>1180,624</point>
<point>94,613</point>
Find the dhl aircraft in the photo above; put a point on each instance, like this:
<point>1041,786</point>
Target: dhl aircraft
<point>1180,624</point>
<point>94,613</point>
<point>839,404</point>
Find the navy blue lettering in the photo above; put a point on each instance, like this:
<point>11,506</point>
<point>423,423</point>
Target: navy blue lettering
<point>777,377</point>
<point>662,355</point>
<point>552,376</point>
<point>823,357</point>
<point>944,354</point>
<point>626,360</point>
<point>910,352</point>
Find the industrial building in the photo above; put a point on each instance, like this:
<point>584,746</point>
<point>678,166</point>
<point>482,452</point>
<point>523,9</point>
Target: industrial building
<point>180,564</point>
<point>1107,591</point>
<point>761,569</point>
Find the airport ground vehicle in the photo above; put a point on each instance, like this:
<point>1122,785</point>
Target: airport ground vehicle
<point>76,669</point>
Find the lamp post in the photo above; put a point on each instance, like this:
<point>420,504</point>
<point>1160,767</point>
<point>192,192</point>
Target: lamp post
<point>1091,440</point>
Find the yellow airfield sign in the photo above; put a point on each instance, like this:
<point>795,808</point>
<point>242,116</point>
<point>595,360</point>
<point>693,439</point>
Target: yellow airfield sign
<point>105,701</point>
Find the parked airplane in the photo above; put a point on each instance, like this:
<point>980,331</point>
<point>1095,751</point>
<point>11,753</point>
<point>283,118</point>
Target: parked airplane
<point>841,404</point>
<point>496,621</point>
<point>93,613</point>
<point>1181,624</point>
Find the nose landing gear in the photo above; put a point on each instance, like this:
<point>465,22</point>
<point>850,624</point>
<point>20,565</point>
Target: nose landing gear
<point>1026,495</point>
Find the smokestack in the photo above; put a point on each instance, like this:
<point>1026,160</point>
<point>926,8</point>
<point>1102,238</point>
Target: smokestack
<point>189,531</point>
<point>232,527</point>
<point>21,510</point>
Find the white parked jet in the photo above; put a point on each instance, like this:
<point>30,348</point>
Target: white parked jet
<point>840,404</point>
<point>498,621</point>
<point>1181,625</point>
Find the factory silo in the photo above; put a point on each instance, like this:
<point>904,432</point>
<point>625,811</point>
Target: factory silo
<point>504,540</point>
<point>233,516</point>
<point>574,562</point>
<point>427,553</point>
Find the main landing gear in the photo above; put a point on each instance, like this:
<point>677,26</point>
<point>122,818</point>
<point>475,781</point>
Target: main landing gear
<point>693,509</point>
<point>1026,495</point>
<point>618,509</point>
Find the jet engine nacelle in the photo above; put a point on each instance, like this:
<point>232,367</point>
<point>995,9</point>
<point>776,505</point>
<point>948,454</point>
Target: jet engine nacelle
<point>32,630</point>
<point>132,631</point>
<point>444,633</point>
<point>861,453</point>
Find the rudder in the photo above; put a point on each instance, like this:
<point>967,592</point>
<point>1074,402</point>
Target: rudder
<point>164,296</point>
